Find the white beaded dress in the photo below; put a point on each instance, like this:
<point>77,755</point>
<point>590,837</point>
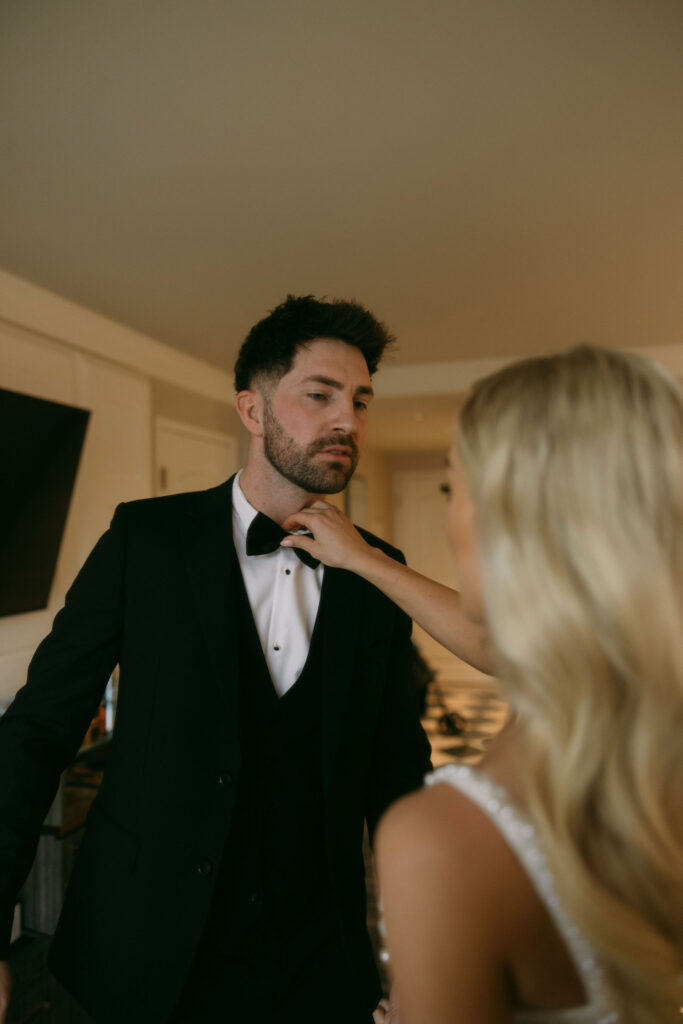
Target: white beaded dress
<point>520,834</point>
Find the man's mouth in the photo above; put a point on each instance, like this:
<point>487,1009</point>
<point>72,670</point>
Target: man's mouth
<point>337,452</point>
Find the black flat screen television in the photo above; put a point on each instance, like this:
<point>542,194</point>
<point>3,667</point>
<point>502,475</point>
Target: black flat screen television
<point>40,448</point>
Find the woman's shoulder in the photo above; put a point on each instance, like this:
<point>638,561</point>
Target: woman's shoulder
<point>441,836</point>
<point>452,910</point>
<point>430,820</point>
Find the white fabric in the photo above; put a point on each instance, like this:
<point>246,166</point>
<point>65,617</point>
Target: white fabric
<point>519,832</point>
<point>284,595</point>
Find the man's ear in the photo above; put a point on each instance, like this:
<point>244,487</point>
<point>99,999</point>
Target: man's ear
<point>250,410</point>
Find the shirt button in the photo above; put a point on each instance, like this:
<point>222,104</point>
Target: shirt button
<point>288,572</point>
<point>204,867</point>
<point>225,779</point>
<point>276,647</point>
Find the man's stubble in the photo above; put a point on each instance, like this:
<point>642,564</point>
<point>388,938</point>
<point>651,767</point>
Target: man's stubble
<point>296,463</point>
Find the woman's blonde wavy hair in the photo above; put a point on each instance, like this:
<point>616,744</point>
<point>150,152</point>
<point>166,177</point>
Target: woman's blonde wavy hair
<point>575,466</point>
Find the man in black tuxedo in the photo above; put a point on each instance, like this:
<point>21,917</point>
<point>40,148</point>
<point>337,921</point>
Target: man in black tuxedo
<point>266,710</point>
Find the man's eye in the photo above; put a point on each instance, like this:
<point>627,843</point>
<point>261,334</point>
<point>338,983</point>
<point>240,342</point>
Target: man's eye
<point>317,395</point>
<point>361,405</point>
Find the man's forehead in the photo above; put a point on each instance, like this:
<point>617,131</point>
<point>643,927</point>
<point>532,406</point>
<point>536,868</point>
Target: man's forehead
<point>335,384</point>
<point>332,358</point>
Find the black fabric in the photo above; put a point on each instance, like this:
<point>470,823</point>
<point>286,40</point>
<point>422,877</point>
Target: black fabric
<point>264,535</point>
<point>324,991</point>
<point>273,898</point>
<point>157,597</point>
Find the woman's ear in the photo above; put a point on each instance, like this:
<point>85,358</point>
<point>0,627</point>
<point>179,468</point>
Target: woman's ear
<point>250,410</point>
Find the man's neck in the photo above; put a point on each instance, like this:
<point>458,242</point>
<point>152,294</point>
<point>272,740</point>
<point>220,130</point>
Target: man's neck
<point>269,492</point>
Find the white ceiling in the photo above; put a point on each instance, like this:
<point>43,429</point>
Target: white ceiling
<point>492,177</point>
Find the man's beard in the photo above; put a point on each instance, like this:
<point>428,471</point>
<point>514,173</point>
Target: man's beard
<point>295,462</point>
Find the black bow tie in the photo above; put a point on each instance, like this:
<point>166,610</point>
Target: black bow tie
<point>264,536</point>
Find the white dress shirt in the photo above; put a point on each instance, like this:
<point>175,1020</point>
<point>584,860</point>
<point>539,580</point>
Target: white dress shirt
<point>284,595</point>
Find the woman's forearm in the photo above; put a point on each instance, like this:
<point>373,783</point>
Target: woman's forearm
<point>336,542</point>
<point>435,607</point>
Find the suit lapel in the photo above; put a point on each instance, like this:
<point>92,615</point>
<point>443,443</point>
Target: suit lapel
<point>342,601</point>
<point>212,564</point>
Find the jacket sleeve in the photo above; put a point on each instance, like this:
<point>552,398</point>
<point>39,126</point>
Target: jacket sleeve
<point>402,751</point>
<point>43,728</point>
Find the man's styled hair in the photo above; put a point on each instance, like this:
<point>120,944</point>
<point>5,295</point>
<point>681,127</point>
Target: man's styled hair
<point>272,343</point>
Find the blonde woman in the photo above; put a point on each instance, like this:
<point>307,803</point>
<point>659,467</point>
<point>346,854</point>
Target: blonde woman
<point>547,884</point>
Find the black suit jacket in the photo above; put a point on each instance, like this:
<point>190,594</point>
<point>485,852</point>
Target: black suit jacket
<point>157,596</point>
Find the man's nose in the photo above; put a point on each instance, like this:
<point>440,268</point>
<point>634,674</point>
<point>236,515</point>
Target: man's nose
<point>345,418</point>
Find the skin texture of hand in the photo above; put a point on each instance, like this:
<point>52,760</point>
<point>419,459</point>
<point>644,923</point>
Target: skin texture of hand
<point>335,541</point>
<point>5,989</point>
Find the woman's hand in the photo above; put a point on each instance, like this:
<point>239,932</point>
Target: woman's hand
<point>381,1014</point>
<point>387,1011</point>
<point>335,541</point>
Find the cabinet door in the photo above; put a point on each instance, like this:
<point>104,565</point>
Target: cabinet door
<point>191,459</point>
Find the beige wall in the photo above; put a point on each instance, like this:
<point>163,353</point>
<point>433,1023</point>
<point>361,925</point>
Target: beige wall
<point>171,402</point>
<point>374,468</point>
<point>186,406</point>
<point>399,461</point>
<point>377,467</point>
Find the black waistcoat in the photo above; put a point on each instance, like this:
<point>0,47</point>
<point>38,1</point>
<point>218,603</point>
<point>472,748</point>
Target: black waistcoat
<point>273,892</point>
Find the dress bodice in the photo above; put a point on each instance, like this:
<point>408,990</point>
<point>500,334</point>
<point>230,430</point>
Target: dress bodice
<point>518,831</point>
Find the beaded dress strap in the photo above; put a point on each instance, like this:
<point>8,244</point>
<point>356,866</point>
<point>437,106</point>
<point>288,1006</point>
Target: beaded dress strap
<point>520,834</point>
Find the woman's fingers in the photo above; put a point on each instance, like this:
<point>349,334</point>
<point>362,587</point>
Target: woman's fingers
<point>381,1014</point>
<point>300,540</point>
<point>303,517</point>
<point>335,540</point>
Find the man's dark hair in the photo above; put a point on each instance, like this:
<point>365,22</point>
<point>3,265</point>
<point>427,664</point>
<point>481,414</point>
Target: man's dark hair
<point>272,343</point>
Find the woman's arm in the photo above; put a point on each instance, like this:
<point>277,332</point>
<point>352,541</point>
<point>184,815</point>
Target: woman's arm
<point>444,912</point>
<point>436,608</point>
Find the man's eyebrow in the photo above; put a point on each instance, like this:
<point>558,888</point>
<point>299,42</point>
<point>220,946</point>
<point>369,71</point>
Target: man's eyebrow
<point>332,383</point>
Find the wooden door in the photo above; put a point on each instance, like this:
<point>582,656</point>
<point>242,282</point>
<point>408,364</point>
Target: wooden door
<point>191,459</point>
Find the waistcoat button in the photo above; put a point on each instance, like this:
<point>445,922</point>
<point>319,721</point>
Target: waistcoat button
<point>204,867</point>
<point>225,779</point>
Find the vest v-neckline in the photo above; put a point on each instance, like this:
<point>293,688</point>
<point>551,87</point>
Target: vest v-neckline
<point>273,696</point>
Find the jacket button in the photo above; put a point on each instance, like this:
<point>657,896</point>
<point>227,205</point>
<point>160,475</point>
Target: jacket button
<point>204,867</point>
<point>225,779</point>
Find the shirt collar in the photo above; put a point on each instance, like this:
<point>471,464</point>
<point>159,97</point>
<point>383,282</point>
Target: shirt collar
<point>244,512</point>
